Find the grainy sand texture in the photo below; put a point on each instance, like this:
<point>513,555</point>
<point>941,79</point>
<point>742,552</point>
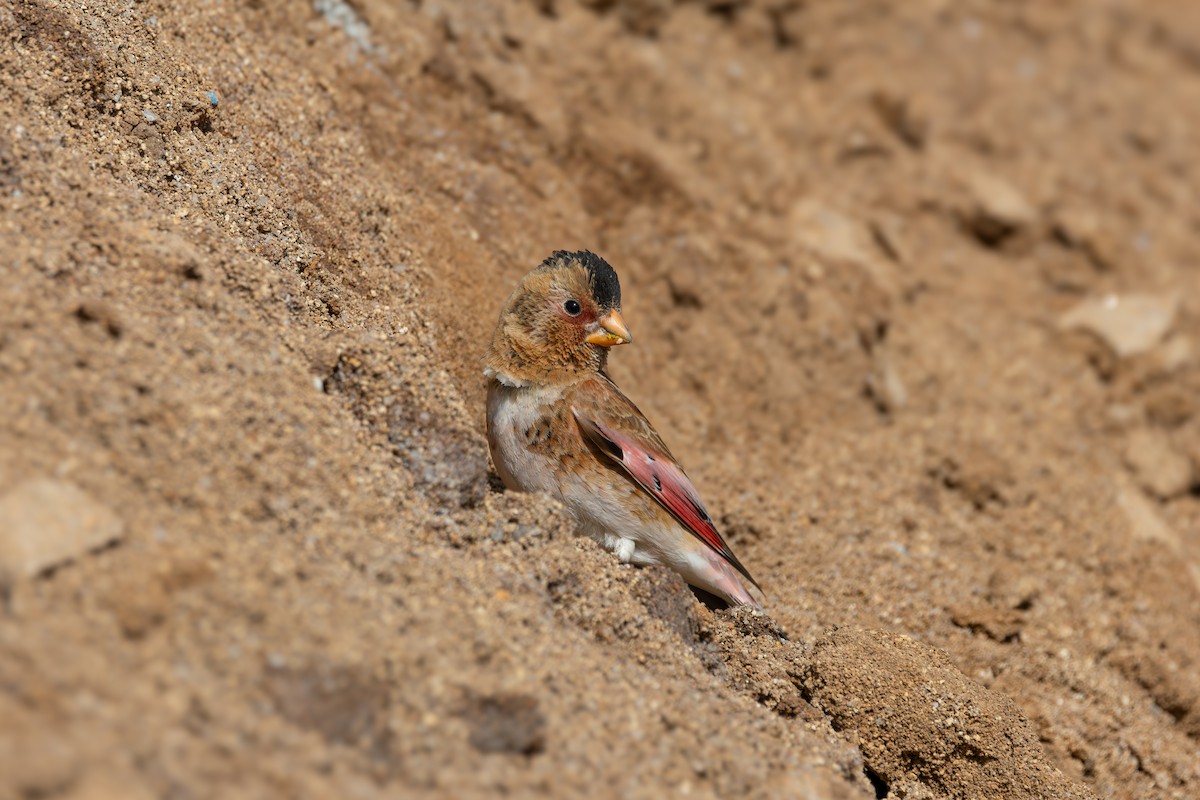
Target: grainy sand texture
<point>914,292</point>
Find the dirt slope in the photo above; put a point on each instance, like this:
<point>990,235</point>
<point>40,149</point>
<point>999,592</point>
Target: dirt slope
<point>914,292</point>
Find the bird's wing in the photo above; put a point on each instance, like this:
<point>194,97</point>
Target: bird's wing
<point>615,426</point>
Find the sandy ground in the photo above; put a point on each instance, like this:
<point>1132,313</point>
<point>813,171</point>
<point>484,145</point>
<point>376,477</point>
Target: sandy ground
<point>913,287</point>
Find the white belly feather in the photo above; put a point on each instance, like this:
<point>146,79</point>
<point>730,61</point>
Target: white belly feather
<point>511,411</point>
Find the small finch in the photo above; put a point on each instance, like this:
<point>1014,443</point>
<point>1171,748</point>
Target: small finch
<point>558,424</point>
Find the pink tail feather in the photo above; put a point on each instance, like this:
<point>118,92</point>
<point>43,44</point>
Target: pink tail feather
<point>726,583</point>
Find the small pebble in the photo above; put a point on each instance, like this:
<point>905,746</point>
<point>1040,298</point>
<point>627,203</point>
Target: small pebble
<point>46,523</point>
<point>1130,324</point>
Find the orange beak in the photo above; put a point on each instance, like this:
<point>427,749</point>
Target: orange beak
<point>611,331</point>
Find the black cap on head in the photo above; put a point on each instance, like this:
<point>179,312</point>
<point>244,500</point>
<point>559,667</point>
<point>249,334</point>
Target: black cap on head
<point>606,289</point>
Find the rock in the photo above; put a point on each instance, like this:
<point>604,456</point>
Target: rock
<point>45,523</point>
<point>1145,523</point>
<point>828,232</point>
<point>998,624</point>
<point>1084,230</point>
<point>1129,324</point>
<point>997,210</point>
<point>835,237</point>
<point>1159,468</point>
<point>905,116</point>
<point>1176,353</point>
<point>884,386</point>
<point>1011,586</point>
<point>139,603</point>
<point>978,472</point>
<point>890,233</point>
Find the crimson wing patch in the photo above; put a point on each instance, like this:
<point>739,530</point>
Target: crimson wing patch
<point>664,480</point>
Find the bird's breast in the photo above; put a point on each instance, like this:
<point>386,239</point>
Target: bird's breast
<point>521,436</point>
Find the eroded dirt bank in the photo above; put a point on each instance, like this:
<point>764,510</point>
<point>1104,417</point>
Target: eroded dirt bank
<point>913,287</point>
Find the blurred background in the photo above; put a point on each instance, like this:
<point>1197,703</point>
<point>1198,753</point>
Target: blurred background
<point>913,287</point>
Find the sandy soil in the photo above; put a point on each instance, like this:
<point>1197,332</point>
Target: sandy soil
<point>914,292</point>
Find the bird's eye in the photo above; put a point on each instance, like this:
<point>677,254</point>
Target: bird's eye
<point>572,307</point>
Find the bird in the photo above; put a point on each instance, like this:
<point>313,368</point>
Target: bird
<point>557,424</point>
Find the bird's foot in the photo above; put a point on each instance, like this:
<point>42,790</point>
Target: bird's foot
<point>624,550</point>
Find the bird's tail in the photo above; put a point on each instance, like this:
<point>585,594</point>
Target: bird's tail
<point>725,582</point>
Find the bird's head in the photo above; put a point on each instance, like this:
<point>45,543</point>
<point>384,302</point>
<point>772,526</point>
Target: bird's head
<point>559,322</point>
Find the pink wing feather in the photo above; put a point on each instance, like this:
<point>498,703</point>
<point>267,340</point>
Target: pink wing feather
<point>655,470</point>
